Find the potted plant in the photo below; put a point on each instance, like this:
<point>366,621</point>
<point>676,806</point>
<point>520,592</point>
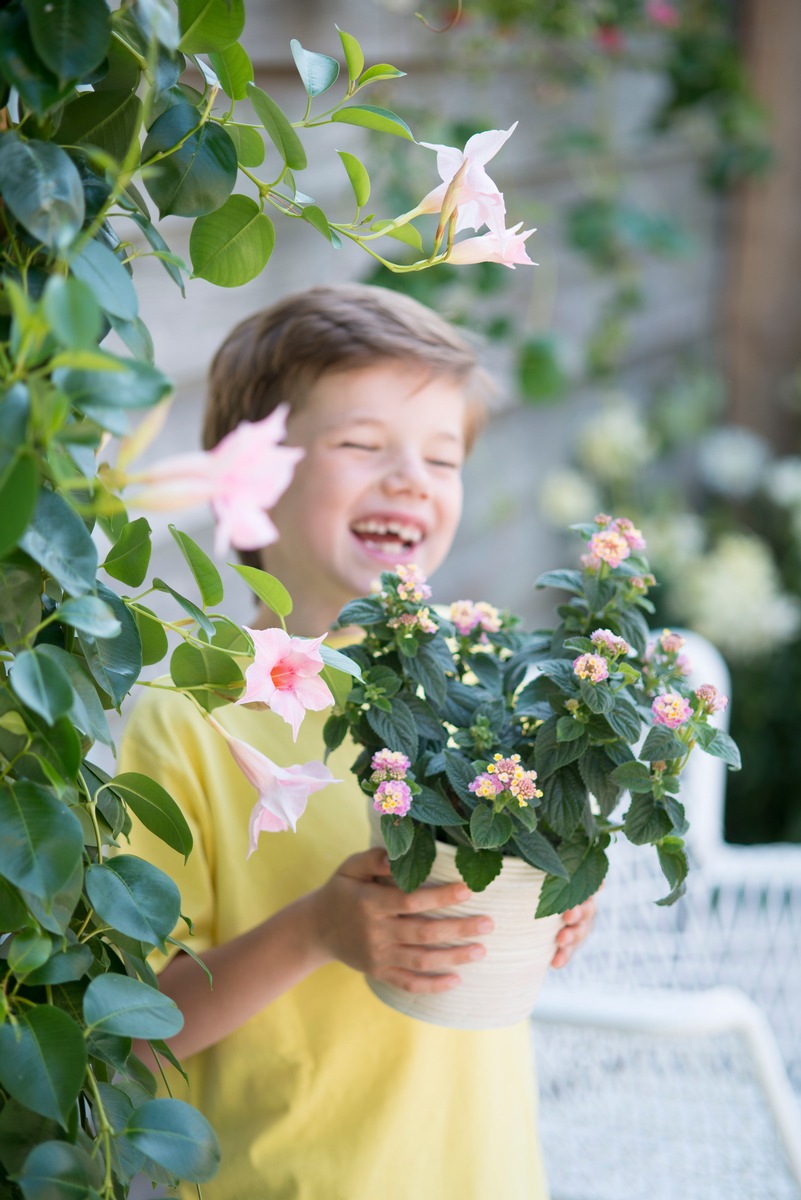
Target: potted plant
<point>514,759</point>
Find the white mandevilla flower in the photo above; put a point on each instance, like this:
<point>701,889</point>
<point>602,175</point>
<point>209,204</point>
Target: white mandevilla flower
<point>734,597</point>
<point>732,461</point>
<point>567,496</point>
<point>782,481</point>
<point>616,442</point>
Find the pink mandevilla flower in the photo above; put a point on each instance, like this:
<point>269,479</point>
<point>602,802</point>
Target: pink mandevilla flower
<point>476,197</point>
<point>506,246</point>
<point>242,477</point>
<point>285,675</point>
<point>671,710</point>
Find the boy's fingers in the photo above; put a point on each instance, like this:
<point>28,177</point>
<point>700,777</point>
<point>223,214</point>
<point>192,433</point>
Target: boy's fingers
<point>419,984</point>
<point>426,961</point>
<point>427,898</point>
<point>442,931</point>
<point>366,865</point>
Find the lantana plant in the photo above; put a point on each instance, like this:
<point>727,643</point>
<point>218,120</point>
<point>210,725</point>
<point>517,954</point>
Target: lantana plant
<point>545,745</point>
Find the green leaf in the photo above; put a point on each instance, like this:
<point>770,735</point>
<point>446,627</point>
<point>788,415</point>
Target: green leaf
<point>19,490</point>
<point>129,557</point>
<point>379,119</point>
<point>412,869</point>
<point>478,868</point>
<point>192,609</point>
<point>334,731</point>
<point>634,776</point>
<point>625,720</point>
<point>209,25</point>
<point>249,144</point>
<point>134,897</point>
<point>197,178</point>
<point>568,729</point>
<point>129,1008</point>
<point>408,234</point>
<point>354,57</point>
<point>171,263</point>
<point>489,829</point>
<point>598,697</point>
<point>206,574</point>
<point>558,895</point>
<point>357,174</point>
<point>563,801</point>
<point>317,71</point>
<point>106,277</point>
<point>378,72</point>
<point>431,808</point>
<point>364,611</point>
<point>550,754</point>
<point>177,1137</point>
<point>91,615</point>
<point>231,246</point>
<point>41,684</point>
<point>566,581</point>
<point>539,370</point>
<point>460,775</point>
<point>279,129</point>
<point>155,808</point>
<point>315,217</point>
<point>114,662</point>
<point>646,820</point>
<point>110,120</point>
<point>126,383</point>
<point>43,1061</point>
<point>27,950</point>
<point>662,743</point>
<point>339,661</point>
<point>38,87</point>
<point>395,728</point>
<point>673,861</point>
<point>234,70</point>
<point>41,841</point>
<point>71,36</point>
<point>398,834</point>
<point>267,588</point>
<point>42,188</point>
<point>13,911</point>
<point>212,674</point>
<point>154,638</point>
<point>63,967</point>
<point>72,311</point>
<point>723,746</point>
<point>535,848</point>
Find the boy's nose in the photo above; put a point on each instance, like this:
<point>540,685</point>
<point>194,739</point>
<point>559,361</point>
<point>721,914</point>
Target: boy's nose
<point>407,476</point>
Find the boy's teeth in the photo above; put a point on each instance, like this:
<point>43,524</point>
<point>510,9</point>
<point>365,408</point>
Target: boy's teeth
<point>406,533</point>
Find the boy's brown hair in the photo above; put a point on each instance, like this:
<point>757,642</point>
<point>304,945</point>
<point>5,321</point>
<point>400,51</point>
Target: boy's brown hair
<point>274,356</point>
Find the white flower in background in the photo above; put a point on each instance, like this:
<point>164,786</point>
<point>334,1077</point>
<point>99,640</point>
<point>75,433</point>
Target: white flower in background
<point>674,539</point>
<point>734,597</point>
<point>732,461</point>
<point>567,497</point>
<point>782,481</point>
<point>616,442</point>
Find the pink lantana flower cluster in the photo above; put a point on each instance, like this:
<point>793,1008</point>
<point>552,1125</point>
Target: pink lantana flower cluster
<point>609,643</point>
<point>389,764</point>
<point>467,616</point>
<point>506,775</point>
<point>613,543</point>
<point>393,798</point>
<point>671,710</point>
<point>712,700</point>
<point>421,620</point>
<point>412,587</point>
<point>592,667</point>
<point>666,652</point>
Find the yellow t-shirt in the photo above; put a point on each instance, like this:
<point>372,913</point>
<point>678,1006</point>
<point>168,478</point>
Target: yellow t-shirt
<point>327,1094</point>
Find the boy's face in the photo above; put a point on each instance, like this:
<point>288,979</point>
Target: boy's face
<point>380,484</point>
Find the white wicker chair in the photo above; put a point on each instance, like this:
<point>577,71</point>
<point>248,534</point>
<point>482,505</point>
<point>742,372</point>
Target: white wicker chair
<point>678,1079</point>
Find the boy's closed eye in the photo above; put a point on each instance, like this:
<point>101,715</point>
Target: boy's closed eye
<point>357,446</point>
<point>440,462</point>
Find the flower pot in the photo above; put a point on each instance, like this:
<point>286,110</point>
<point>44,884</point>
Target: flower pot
<point>501,988</point>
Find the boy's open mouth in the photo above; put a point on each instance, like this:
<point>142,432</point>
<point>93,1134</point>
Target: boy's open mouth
<point>388,537</point>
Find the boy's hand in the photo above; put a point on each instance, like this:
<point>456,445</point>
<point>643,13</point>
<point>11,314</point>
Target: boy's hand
<point>576,924</point>
<point>380,930</point>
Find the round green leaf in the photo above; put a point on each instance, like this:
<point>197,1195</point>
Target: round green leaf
<point>59,1171</point>
<point>278,126</point>
<point>70,36</point>
<point>41,684</point>
<point>129,557</point>
<point>43,1061</point>
<point>232,245</point>
<point>234,70</point>
<point>38,87</point>
<point>114,662</point>
<point>28,950</point>
<point>177,1137</point>
<point>318,71</point>
<point>155,808</point>
<point>129,1008</point>
<point>112,287</point>
<point>205,667</point>
<point>197,178</point>
<point>135,898</point>
<point>90,615</point>
<point>41,841</point>
<point>72,311</point>
<point>357,174</point>
<point>154,638</point>
<point>267,588</point>
<point>136,385</point>
<point>58,541</point>
<point>42,188</point>
<point>379,119</point>
<point>86,712</point>
<point>109,120</point>
<point>19,488</point>
<point>207,577</point>
<point>208,25</point>
<point>249,144</point>
<point>63,967</point>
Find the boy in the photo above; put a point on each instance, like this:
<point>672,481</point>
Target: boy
<point>318,1091</point>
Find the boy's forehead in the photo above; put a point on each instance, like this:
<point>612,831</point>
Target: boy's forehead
<point>382,395</point>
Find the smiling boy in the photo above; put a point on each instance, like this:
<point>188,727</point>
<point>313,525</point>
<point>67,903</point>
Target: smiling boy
<point>317,1090</point>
